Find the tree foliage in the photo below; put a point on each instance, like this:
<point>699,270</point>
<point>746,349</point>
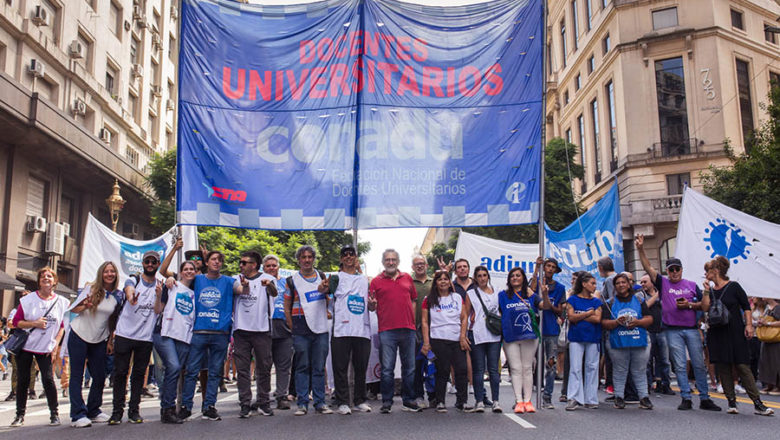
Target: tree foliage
<point>162,180</point>
<point>752,183</point>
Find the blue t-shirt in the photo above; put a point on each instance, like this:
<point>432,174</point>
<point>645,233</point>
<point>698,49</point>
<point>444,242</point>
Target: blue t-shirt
<point>550,325</point>
<point>281,287</point>
<point>515,319</point>
<point>213,303</point>
<point>584,331</point>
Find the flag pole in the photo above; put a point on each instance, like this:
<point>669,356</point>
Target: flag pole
<point>540,349</point>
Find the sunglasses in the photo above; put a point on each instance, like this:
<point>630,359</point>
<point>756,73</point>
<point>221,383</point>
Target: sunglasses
<point>196,258</point>
<point>244,262</point>
<point>150,261</point>
<point>348,254</point>
<point>674,269</point>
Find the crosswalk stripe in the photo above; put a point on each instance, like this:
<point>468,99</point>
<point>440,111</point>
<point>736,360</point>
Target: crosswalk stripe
<point>520,421</point>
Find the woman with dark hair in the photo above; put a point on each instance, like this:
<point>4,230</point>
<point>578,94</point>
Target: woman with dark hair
<point>769,362</point>
<point>87,342</point>
<point>444,325</point>
<point>627,318</point>
<point>519,307</point>
<point>584,314</point>
<point>485,345</point>
<point>175,308</point>
<point>728,343</point>
<point>42,312</point>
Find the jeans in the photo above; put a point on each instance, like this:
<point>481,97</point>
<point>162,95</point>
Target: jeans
<point>420,363</point>
<point>482,355</point>
<point>211,348</point>
<point>658,364</point>
<point>173,354</point>
<point>282,352</point>
<point>24,361</point>
<point>450,355</point>
<point>401,341</point>
<point>583,391</point>
<point>245,344</point>
<point>550,359</point>
<point>124,350</point>
<point>94,355</point>
<point>679,340</point>
<point>358,350</point>
<point>312,352</point>
<point>627,361</point>
<point>157,372</point>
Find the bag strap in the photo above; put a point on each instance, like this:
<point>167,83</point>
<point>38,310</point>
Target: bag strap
<point>54,303</point>
<point>479,297</point>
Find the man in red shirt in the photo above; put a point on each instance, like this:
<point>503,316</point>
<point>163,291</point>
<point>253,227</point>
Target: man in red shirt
<point>393,295</point>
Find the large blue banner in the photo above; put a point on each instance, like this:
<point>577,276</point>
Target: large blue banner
<point>369,113</point>
<point>597,233</point>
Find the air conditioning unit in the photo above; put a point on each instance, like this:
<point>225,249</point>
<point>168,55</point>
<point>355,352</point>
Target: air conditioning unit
<point>105,135</point>
<point>174,12</point>
<point>36,224</point>
<point>137,70</point>
<point>138,12</point>
<point>157,91</point>
<point>66,228</point>
<point>36,68</point>
<point>55,239</point>
<point>170,104</point>
<point>40,16</point>
<point>76,49</point>
<point>80,107</point>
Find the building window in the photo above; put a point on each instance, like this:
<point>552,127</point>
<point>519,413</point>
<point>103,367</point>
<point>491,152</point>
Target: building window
<point>36,197</point>
<point>606,44</point>
<point>736,20</point>
<point>565,97</point>
<point>745,102</point>
<point>135,55</point>
<point>770,37</point>
<point>115,19</point>
<point>591,64</point>
<point>581,123</point>
<point>575,24</point>
<point>666,250</point>
<point>112,73</point>
<point>589,12</point>
<point>676,183</point>
<point>86,44</point>
<point>568,135</point>
<point>577,82</point>
<point>132,106</point>
<point>603,4</point>
<point>613,153</point>
<point>563,41</point>
<point>664,18</point>
<point>132,155</point>
<point>774,79</point>
<point>594,114</point>
<point>154,130</point>
<point>672,109</point>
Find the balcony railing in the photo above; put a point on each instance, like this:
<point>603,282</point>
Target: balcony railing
<point>676,148</point>
<point>673,203</point>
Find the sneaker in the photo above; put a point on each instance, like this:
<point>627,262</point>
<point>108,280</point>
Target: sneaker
<point>739,389</point>
<point>54,420</point>
<point>42,395</point>
<point>210,414</point>
<point>610,390</point>
<point>116,419</point>
<point>563,398</point>
<point>719,388</point>
<point>421,403</point>
<point>11,396</point>
<point>761,409</point>
<point>282,404</point>
<point>323,410</point>
<point>344,410</point>
<point>708,405</point>
<point>685,405</point>
<point>301,411</point>
<point>65,392</point>
<point>168,416</point>
<point>479,408</point>
<point>462,408</point>
<point>363,407</point>
<point>519,408</point>
<point>666,390</point>
<point>134,417</point>
<point>732,408</point>
<point>31,395</point>
<point>184,414</point>
<point>18,421</point>
<point>145,393</point>
<point>573,405</point>
<point>440,408</point>
<point>497,407</point>
<point>386,408</point>
<point>633,400</point>
<point>264,410</point>
<point>471,389</point>
<point>222,388</point>
<point>610,398</point>
<point>592,405</point>
<point>529,407</point>
<point>547,403</point>
<point>451,389</point>
<point>645,403</point>
<point>246,412</point>
<point>100,418</point>
<point>620,403</point>
<point>410,407</point>
<point>81,423</point>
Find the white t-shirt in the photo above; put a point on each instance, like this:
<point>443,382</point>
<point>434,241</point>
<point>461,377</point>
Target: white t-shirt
<point>444,319</point>
<point>250,312</point>
<point>33,306</point>
<point>350,309</point>
<point>481,333</point>
<point>137,321</point>
<point>179,314</point>
<point>92,327</point>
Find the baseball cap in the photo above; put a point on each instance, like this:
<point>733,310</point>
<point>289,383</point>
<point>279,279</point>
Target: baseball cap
<point>151,254</point>
<point>347,247</point>
<point>555,262</point>
<point>189,254</point>
<point>673,262</point>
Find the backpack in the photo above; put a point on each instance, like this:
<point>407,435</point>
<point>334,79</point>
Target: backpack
<point>718,315</point>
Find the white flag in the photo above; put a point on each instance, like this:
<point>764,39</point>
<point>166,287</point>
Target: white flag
<point>708,228</point>
<point>499,257</point>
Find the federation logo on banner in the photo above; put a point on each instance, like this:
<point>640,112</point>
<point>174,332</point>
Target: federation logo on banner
<point>726,239</point>
<point>130,255</point>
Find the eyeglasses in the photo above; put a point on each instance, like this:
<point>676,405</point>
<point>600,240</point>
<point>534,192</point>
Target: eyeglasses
<point>674,269</point>
<point>150,261</point>
<point>196,258</point>
<point>348,253</point>
<point>244,262</point>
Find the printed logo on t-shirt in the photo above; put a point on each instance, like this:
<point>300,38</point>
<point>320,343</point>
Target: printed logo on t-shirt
<point>210,296</point>
<point>356,304</point>
<point>248,300</point>
<point>314,295</point>
<point>212,314</point>
<point>184,304</point>
<point>145,310</point>
<point>523,321</point>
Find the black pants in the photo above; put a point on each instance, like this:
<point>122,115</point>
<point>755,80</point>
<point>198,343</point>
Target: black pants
<point>358,349</point>
<point>124,350</point>
<point>449,355</point>
<point>24,361</point>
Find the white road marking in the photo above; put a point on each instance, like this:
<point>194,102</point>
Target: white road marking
<point>228,397</point>
<point>525,424</point>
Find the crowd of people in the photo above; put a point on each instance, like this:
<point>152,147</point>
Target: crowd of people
<point>448,332</point>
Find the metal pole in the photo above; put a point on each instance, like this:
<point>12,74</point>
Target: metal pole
<point>540,349</point>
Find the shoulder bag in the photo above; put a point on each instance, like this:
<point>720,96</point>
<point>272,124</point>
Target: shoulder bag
<point>492,320</point>
<point>18,337</point>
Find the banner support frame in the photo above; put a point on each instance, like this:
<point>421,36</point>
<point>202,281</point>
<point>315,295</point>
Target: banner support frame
<point>540,366</point>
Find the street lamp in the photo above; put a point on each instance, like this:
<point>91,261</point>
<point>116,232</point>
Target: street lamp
<point>115,204</point>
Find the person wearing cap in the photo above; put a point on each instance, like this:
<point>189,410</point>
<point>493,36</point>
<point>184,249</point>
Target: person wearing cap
<point>556,292</point>
<point>680,300</point>
<point>351,330</point>
<point>196,256</point>
<point>132,339</point>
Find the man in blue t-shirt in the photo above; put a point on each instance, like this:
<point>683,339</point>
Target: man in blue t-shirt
<point>210,336</point>
<point>556,293</point>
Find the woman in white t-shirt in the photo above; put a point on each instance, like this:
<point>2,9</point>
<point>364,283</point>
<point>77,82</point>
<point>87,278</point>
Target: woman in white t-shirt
<point>175,307</point>
<point>42,312</point>
<point>98,302</point>
<point>444,325</point>
<point>485,345</point>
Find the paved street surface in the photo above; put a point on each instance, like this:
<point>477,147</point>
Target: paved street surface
<point>665,422</point>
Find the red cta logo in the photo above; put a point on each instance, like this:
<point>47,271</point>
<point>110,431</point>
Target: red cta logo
<point>233,195</point>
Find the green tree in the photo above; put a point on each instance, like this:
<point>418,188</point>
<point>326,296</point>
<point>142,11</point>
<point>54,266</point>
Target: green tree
<point>752,183</point>
<point>162,181</point>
